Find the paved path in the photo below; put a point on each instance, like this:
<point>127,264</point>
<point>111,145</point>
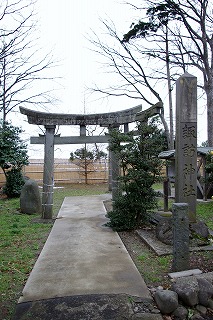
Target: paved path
<point>82,257</point>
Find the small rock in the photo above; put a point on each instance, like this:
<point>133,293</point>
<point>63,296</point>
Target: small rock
<point>210,305</point>
<point>166,300</point>
<point>164,231</point>
<point>152,290</point>
<point>205,291</point>
<point>200,228</point>
<point>201,309</point>
<point>180,313</point>
<point>159,288</point>
<point>197,317</point>
<point>146,316</point>
<point>155,310</point>
<point>138,299</point>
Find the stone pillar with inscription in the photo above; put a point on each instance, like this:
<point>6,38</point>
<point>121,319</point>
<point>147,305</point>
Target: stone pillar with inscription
<point>48,175</point>
<point>186,143</point>
<point>180,237</point>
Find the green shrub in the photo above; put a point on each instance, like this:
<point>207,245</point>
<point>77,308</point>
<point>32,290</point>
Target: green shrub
<point>209,167</point>
<point>13,156</point>
<point>14,183</point>
<point>140,168</point>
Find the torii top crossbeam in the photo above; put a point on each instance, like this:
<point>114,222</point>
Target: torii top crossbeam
<point>102,119</point>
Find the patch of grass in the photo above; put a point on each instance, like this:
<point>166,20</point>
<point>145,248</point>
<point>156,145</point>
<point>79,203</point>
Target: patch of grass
<point>205,213</point>
<point>22,240</point>
<point>154,269</point>
<point>164,262</point>
<point>70,190</point>
<point>161,204</point>
<point>143,257</point>
<point>158,186</point>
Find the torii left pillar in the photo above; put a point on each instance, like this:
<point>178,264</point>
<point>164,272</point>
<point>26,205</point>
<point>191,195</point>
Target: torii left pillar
<point>48,175</point>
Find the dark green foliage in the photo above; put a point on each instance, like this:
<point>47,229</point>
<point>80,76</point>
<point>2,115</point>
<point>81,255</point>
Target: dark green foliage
<point>158,16</point>
<point>140,169</point>
<point>84,154</point>
<point>123,215</point>
<point>14,183</point>
<point>99,154</point>
<point>164,12</point>
<point>13,152</point>
<point>13,156</point>
<point>209,166</point>
<point>81,154</point>
<point>205,144</point>
<point>85,158</point>
<point>141,29</point>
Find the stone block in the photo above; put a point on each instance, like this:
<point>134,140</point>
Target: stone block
<point>187,291</point>
<point>30,199</point>
<point>166,300</point>
<point>181,313</point>
<point>184,273</point>
<point>205,291</point>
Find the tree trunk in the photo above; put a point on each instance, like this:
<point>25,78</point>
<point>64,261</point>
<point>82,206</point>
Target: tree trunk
<point>161,115</point>
<point>209,95</point>
<point>4,91</point>
<point>171,142</point>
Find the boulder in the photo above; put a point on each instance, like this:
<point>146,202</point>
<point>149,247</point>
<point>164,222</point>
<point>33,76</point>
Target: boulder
<point>30,199</point>
<point>164,231</point>
<point>205,291</point>
<point>187,291</point>
<point>166,300</point>
<point>181,313</point>
<point>210,304</point>
<point>197,316</point>
<point>200,229</point>
<point>201,309</point>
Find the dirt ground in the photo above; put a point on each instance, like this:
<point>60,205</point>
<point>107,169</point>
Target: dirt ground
<point>136,247</point>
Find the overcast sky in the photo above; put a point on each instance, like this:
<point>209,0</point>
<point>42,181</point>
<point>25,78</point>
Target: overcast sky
<point>64,28</point>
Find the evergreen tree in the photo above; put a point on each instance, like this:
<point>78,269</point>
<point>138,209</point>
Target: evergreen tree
<point>140,169</point>
<point>13,156</point>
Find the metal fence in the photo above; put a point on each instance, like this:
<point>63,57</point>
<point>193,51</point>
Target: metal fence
<point>66,171</point>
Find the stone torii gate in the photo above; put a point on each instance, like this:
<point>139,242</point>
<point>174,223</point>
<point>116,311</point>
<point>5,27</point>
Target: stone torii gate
<point>111,120</point>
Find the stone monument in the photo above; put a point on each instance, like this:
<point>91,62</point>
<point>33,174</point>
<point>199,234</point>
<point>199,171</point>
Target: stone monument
<point>186,143</point>
<point>30,199</point>
<point>180,237</point>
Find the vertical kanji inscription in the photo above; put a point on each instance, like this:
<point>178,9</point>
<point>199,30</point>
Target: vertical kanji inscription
<point>186,143</point>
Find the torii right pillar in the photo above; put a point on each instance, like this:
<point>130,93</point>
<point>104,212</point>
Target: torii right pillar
<point>48,175</point>
<point>186,143</point>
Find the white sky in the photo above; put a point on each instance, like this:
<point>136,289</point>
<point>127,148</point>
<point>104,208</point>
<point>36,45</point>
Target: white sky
<point>64,27</point>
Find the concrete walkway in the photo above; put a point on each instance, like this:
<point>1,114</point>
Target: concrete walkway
<point>82,257</point>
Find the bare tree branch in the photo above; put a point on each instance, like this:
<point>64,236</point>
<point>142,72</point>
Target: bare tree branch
<point>21,64</point>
